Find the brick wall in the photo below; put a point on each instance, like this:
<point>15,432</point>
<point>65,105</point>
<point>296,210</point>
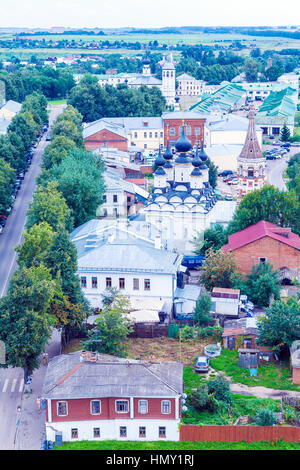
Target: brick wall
<point>296,376</point>
<point>106,138</point>
<point>278,254</point>
<point>177,123</point>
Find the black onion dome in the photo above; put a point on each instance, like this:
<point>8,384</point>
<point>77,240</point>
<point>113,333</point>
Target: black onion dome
<point>196,172</point>
<point>160,161</point>
<point>196,162</point>
<point>203,154</point>
<point>168,154</point>
<point>183,145</point>
<point>160,171</point>
<point>146,61</point>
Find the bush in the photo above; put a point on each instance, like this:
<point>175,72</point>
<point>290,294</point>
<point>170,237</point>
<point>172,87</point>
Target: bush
<point>201,400</point>
<point>220,388</point>
<point>265,417</point>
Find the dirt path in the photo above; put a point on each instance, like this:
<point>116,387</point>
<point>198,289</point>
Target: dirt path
<point>263,392</point>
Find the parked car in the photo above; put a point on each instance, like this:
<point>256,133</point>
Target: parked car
<point>271,137</point>
<point>277,142</point>
<point>225,173</point>
<point>233,181</point>
<point>201,364</point>
<point>249,305</point>
<point>270,157</point>
<point>228,179</point>
<point>228,197</point>
<point>193,261</point>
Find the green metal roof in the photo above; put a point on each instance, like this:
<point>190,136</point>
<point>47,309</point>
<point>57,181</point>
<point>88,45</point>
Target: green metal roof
<point>226,97</point>
<point>279,104</point>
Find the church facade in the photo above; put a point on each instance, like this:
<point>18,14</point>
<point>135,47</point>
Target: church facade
<point>182,202</point>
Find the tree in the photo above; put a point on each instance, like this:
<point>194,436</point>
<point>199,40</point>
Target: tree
<point>269,203</point>
<point>7,177</point>
<point>112,329</point>
<point>251,70</point>
<point>219,270</point>
<point>201,313</point>
<point>281,325</point>
<point>272,73</point>
<point>80,181</point>
<point>37,242</point>
<point>285,134</point>
<point>58,149</point>
<point>49,206</point>
<point>214,237</point>
<point>61,259</point>
<point>69,130</point>
<point>262,284</point>
<point>24,317</point>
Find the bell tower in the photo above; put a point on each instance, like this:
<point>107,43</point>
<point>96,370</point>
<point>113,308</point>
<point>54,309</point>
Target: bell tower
<point>251,163</point>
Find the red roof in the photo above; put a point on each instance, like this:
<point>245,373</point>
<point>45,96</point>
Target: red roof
<point>260,230</point>
<point>137,181</point>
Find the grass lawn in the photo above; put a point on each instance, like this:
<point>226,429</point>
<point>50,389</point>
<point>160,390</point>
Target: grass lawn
<point>182,445</point>
<point>56,102</point>
<point>277,376</point>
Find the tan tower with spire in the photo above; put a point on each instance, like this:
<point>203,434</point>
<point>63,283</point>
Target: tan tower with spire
<point>251,163</point>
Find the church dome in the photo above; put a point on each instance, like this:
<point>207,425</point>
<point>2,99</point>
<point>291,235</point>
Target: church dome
<point>160,161</point>
<point>203,155</point>
<point>168,154</point>
<point>183,145</point>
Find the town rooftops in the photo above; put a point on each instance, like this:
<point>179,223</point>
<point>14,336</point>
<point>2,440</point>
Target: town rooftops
<point>225,97</point>
<point>86,375</point>
<point>118,248</point>
<point>240,326</point>
<point>13,106</point>
<point>260,230</point>
<point>123,124</point>
<point>224,293</point>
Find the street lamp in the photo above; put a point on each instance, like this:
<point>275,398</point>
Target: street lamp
<point>18,422</point>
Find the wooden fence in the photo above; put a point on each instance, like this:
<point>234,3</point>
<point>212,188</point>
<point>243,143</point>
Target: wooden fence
<point>189,432</point>
<point>143,330</point>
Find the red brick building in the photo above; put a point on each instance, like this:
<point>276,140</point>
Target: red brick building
<point>105,134</point>
<point>194,127</point>
<point>266,242</point>
<point>92,396</point>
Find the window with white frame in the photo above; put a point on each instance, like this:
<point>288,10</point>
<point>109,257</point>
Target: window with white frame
<point>122,406</point>
<point>143,406</point>
<point>74,433</point>
<point>62,408</point>
<point>95,407</point>
<point>166,407</point>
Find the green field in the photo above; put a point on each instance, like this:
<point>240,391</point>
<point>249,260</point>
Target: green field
<point>183,445</point>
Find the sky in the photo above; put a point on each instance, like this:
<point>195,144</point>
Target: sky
<point>146,13</point>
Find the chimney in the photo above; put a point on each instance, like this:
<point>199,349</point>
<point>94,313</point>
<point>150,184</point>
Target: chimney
<point>111,238</point>
<point>157,242</point>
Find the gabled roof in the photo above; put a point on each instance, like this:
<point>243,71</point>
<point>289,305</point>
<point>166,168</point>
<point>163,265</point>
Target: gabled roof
<point>101,124</point>
<point>260,230</point>
<point>13,106</point>
<point>69,377</point>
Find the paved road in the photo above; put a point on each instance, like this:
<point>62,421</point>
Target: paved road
<point>11,379</point>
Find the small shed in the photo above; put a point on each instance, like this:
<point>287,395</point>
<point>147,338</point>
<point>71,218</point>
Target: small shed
<point>295,361</point>
<point>248,358</point>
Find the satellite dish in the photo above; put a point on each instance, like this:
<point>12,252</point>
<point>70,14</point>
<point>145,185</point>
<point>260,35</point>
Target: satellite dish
<point>183,400</point>
<point>184,409</point>
<point>184,395</point>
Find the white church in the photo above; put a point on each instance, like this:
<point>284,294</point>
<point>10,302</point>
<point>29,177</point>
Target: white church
<point>166,85</point>
<point>182,202</point>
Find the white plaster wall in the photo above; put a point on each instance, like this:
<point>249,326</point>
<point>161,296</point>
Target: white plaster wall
<point>110,429</point>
